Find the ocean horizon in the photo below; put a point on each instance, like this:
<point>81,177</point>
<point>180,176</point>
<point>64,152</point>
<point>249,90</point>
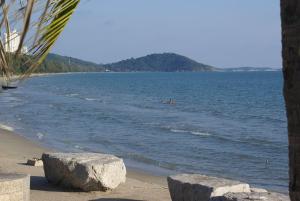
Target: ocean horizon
<point>226,124</point>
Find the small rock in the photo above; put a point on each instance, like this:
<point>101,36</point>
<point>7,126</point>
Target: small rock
<point>85,171</point>
<point>35,162</point>
<point>195,187</point>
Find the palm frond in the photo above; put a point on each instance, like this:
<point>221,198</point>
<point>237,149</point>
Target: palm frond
<point>37,25</point>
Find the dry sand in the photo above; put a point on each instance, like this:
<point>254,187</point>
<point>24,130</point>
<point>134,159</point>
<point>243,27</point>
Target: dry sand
<point>15,150</point>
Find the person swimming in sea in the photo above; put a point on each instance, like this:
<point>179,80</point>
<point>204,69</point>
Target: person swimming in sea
<point>170,102</point>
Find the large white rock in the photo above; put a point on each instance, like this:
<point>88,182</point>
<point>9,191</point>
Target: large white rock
<point>195,187</point>
<point>14,187</point>
<point>253,196</point>
<point>85,171</point>
<point>258,190</point>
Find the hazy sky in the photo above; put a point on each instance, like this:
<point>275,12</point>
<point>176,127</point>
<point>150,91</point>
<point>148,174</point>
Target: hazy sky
<point>223,33</point>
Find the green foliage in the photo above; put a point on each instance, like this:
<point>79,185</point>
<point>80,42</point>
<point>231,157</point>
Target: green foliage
<point>166,62</point>
<point>37,24</point>
<point>57,64</point>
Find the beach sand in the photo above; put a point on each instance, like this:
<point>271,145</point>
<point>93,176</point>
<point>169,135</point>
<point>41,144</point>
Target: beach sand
<point>15,150</point>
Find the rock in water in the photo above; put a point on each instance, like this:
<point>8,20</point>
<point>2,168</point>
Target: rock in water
<point>195,187</point>
<point>85,171</point>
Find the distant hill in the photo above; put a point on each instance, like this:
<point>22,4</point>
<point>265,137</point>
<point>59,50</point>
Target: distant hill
<point>249,69</point>
<point>57,64</point>
<point>166,62</point>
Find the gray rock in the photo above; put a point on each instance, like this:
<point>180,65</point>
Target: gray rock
<point>35,162</point>
<point>252,197</point>
<point>14,187</point>
<point>85,171</point>
<point>195,187</point>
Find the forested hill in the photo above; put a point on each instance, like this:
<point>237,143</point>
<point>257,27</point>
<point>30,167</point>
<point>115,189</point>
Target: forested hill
<point>55,63</point>
<point>166,62</point>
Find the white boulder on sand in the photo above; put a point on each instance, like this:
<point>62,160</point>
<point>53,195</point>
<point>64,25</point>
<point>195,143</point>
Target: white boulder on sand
<point>14,187</point>
<point>195,187</point>
<point>85,171</point>
<point>253,196</point>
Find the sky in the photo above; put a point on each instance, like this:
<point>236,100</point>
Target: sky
<point>222,33</point>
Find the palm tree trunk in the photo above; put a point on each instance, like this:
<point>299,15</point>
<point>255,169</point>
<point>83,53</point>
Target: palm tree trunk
<point>290,17</point>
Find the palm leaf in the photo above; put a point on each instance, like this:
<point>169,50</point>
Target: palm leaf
<point>39,23</point>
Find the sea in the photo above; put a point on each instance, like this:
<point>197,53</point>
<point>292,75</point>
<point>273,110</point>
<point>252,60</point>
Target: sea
<point>224,124</point>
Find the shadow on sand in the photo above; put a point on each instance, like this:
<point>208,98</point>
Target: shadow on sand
<point>23,164</point>
<point>41,184</point>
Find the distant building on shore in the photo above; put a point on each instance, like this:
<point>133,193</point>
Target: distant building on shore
<point>11,42</point>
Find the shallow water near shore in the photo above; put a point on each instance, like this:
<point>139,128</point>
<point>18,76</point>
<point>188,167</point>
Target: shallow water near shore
<point>223,124</point>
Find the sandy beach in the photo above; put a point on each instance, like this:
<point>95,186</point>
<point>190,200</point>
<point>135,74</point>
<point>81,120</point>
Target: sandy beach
<point>15,150</point>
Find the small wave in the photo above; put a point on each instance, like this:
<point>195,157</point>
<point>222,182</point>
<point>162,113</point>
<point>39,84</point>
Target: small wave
<point>90,99</point>
<point>18,117</point>
<point>5,127</point>
<point>142,158</point>
<point>179,131</point>
<point>200,133</point>
<point>191,132</point>
<point>40,136</point>
<point>78,147</point>
<point>72,95</point>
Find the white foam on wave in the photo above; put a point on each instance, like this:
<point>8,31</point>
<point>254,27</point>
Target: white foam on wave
<point>200,133</point>
<point>90,99</point>
<point>78,147</point>
<point>72,95</point>
<point>40,136</point>
<point>178,131</point>
<point>191,132</point>
<point>5,127</point>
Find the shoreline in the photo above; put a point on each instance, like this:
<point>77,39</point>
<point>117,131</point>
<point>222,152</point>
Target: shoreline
<point>34,137</point>
<point>15,149</point>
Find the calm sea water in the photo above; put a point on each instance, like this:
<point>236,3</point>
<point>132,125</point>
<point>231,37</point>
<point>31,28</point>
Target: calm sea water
<point>223,124</point>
